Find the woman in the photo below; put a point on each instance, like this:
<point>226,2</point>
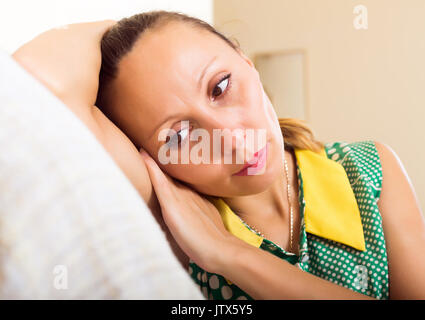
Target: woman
<point>308,227</point>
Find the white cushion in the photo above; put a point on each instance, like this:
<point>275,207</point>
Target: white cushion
<point>71,224</point>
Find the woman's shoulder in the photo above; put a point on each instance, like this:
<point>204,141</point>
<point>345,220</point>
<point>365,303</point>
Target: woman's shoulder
<point>361,161</point>
<point>362,151</point>
<point>365,148</point>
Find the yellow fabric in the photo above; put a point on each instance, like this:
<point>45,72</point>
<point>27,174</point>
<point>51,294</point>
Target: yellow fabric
<point>331,209</point>
<point>234,225</point>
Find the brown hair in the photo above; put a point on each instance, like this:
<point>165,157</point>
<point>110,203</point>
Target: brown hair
<point>121,37</point>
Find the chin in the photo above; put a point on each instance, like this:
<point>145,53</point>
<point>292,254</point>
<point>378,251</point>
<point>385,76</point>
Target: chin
<point>248,185</point>
<point>254,184</point>
<point>241,186</point>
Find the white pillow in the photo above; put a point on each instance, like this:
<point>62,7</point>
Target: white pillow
<point>71,224</point>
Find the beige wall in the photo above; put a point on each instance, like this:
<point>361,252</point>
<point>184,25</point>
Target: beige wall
<point>360,84</point>
<point>22,20</point>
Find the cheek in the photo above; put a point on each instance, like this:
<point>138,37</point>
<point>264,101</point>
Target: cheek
<point>261,111</point>
<point>250,94</point>
<point>196,175</point>
<point>273,121</point>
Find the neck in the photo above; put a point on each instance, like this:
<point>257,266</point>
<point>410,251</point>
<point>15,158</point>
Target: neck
<point>271,204</point>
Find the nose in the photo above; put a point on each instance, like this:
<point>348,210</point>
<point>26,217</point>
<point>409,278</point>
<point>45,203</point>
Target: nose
<point>239,152</point>
<point>232,140</point>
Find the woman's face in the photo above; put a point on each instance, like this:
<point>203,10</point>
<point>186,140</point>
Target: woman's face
<point>179,74</point>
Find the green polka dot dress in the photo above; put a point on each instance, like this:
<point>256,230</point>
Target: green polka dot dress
<point>366,271</point>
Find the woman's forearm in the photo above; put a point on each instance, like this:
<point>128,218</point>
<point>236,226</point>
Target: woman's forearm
<point>265,276</point>
<point>67,61</point>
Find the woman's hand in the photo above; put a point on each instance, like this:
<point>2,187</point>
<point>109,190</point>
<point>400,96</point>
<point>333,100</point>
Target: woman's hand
<point>67,61</point>
<point>194,222</point>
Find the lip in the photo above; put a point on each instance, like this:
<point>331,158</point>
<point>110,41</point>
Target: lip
<point>260,158</point>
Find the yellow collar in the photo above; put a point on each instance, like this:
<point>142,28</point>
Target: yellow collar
<point>331,209</point>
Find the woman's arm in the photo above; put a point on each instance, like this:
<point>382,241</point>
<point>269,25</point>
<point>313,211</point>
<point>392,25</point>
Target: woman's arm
<point>198,229</point>
<point>265,276</point>
<point>196,225</point>
<point>67,61</point>
<point>128,158</point>
<point>404,228</point>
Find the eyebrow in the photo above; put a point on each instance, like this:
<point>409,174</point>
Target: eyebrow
<point>201,77</point>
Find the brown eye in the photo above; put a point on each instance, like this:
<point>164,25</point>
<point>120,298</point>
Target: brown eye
<point>221,86</point>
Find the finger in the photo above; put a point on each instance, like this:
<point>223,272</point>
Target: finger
<point>173,182</point>
<point>161,182</point>
<point>165,190</point>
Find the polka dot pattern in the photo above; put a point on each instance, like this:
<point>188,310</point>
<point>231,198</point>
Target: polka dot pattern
<point>364,272</point>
